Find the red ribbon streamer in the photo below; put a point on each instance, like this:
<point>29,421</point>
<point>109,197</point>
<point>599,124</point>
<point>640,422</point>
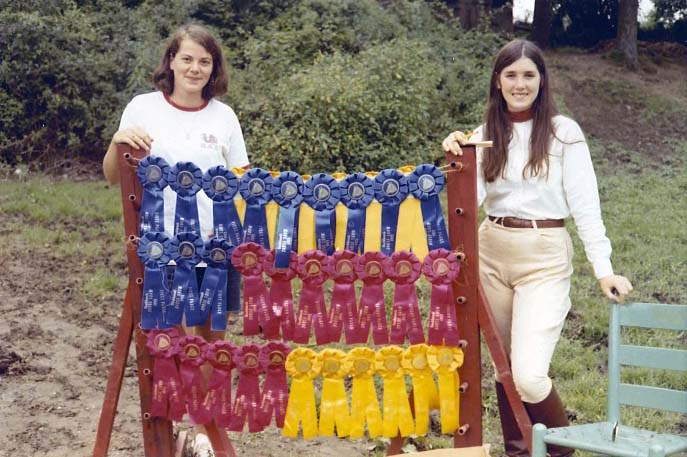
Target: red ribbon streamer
<point>281,294</point>
<point>246,404</point>
<point>372,310</point>
<point>311,304</point>
<point>343,310</point>
<point>249,258</point>
<point>167,390</point>
<point>275,391</point>
<point>441,268</point>
<point>217,402</point>
<point>404,269</point>
<point>191,357</point>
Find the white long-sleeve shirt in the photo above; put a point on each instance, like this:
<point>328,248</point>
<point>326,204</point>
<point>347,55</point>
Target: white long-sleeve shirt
<point>570,189</point>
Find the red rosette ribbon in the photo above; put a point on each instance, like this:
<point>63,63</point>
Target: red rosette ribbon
<point>275,390</point>
<point>217,402</point>
<point>249,258</point>
<point>191,357</point>
<point>247,402</point>
<point>372,310</point>
<point>441,268</point>
<point>343,308</point>
<point>311,306</point>
<point>167,391</point>
<point>404,269</point>
<point>281,293</point>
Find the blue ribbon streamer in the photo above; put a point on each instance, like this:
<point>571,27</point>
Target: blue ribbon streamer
<point>186,179</point>
<point>153,250</point>
<point>185,251</point>
<point>287,191</point>
<point>322,193</point>
<point>213,290</point>
<point>221,185</point>
<point>256,190</point>
<point>357,192</point>
<point>391,188</point>
<point>152,172</point>
<point>425,182</point>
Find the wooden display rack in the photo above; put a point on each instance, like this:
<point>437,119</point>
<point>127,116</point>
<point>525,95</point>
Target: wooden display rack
<point>472,310</point>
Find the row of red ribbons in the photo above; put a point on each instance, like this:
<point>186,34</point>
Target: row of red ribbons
<point>273,309</point>
<point>180,391</point>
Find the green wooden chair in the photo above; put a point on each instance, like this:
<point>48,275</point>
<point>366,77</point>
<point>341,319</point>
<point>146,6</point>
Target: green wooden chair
<point>610,437</point>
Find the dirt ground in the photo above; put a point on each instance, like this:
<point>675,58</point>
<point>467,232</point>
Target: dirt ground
<point>56,346</point>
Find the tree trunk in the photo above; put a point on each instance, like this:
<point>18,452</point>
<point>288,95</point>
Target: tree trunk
<point>627,31</point>
<point>541,24</point>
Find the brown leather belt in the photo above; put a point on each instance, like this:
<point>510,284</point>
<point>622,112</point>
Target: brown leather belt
<point>516,222</point>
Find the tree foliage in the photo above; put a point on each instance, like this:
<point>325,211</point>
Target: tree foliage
<point>317,84</point>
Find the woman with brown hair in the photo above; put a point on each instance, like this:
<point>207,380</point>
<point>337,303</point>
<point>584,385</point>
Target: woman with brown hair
<point>184,122</point>
<point>538,173</point>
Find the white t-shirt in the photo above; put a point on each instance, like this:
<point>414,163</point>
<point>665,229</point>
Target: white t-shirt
<point>570,189</point>
<point>208,136</point>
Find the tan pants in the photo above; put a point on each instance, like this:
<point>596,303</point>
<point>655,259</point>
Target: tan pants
<point>526,277</point>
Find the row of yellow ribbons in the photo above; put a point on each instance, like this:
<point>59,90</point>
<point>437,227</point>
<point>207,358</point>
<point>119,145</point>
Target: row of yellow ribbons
<point>392,363</point>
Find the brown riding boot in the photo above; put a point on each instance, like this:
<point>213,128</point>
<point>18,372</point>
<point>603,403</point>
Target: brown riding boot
<point>512,439</point>
<point>551,413</point>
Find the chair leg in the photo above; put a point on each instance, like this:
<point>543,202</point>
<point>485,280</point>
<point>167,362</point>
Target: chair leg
<point>551,413</point>
<point>513,442</point>
<point>538,444</point>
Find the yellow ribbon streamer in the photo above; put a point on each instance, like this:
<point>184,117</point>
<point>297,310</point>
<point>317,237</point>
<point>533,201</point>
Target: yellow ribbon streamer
<point>373,222</point>
<point>306,228</point>
<point>303,365</point>
<point>364,402</point>
<point>417,228</point>
<point>272,211</point>
<point>334,410</point>
<point>341,222</point>
<point>397,413</point>
<point>425,395</point>
<point>445,361</point>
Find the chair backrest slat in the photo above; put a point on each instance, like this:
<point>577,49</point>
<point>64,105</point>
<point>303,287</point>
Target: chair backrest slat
<point>653,397</point>
<point>651,357</point>
<point>654,315</point>
<point>645,315</point>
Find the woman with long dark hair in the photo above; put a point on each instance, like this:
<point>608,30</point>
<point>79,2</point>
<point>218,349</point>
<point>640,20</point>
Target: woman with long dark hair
<point>537,174</point>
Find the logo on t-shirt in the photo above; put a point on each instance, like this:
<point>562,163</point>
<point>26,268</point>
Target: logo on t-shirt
<point>209,141</point>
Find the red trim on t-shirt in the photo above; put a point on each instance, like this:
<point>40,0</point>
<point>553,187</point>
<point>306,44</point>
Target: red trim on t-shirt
<point>186,108</point>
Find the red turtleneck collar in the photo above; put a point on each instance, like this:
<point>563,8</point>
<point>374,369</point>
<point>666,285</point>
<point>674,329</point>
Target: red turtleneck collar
<point>521,116</point>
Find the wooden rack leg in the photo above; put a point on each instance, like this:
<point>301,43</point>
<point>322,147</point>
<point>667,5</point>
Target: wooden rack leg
<point>500,358</point>
<point>114,381</point>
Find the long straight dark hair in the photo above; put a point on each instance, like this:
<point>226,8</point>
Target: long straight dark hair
<point>499,127</point>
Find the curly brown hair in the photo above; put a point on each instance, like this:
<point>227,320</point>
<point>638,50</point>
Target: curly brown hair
<point>163,76</point>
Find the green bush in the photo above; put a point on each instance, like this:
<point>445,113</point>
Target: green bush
<point>317,84</point>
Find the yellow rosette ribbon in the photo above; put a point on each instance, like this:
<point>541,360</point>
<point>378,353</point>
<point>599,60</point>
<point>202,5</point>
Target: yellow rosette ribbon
<point>334,408</point>
<point>373,222</point>
<point>425,395</point>
<point>445,361</point>
<point>303,365</point>
<point>239,202</point>
<point>397,414</point>
<point>341,218</point>
<point>364,402</point>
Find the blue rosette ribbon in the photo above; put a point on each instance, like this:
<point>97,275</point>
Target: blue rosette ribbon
<point>256,190</point>
<point>357,191</point>
<point>221,186</point>
<point>184,249</point>
<point>391,188</point>
<point>322,193</point>
<point>425,183</point>
<point>213,291</point>
<point>186,179</point>
<point>287,191</point>
<point>153,250</point>
<point>152,172</point>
